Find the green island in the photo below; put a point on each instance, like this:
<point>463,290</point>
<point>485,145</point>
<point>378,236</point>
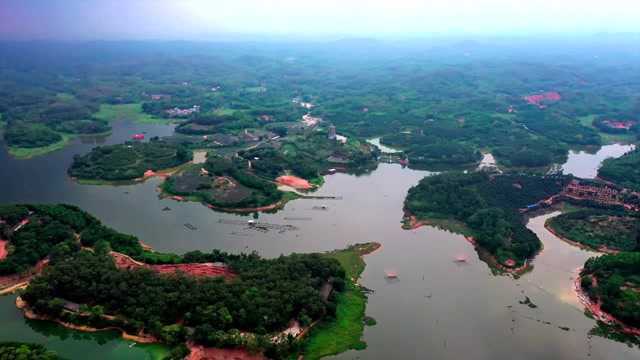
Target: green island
<point>27,351</point>
<point>624,171</point>
<point>598,229</point>
<point>247,180</point>
<point>96,278</point>
<point>128,161</point>
<point>488,207</point>
<point>225,183</point>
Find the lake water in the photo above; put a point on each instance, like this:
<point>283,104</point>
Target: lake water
<point>437,309</point>
<point>384,149</point>
<point>586,164</point>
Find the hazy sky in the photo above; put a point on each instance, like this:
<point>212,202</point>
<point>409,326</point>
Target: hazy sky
<point>199,19</point>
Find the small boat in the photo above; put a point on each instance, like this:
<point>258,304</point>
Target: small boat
<point>391,275</point>
<point>460,259</point>
<point>190,227</point>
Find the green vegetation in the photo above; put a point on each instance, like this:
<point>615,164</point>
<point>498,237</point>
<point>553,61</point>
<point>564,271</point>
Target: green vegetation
<point>129,112</point>
<point>26,351</point>
<point>227,183</point>
<point>246,179</point>
<point>52,230</point>
<point>309,156</point>
<point>261,298</point>
<point>488,206</point>
<point>27,153</point>
<point>344,332</point>
<point>614,280</point>
<point>615,230</point>
<point>448,106</point>
<point>129,160</point>
<point>31,136</point>
<point>624,171</point>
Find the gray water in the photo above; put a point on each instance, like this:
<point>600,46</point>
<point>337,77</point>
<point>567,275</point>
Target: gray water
<point>585,164</point>
<point>437,309</point>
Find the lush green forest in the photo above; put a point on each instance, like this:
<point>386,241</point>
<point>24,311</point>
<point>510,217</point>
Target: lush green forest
<point>26,351</point>
<point>246,179</point>
<point>624,171</point>
<point>615,230</point>
<point>435,102</point>
<point>308,156</point>
<point>262,297</point>
<point>614,280</point>
<point>35,232</point>
<point>225,183</point>
<point>488,205</point>
<point>129,160</point>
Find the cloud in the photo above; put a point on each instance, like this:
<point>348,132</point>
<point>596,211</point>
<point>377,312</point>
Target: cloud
<point>193,18</point>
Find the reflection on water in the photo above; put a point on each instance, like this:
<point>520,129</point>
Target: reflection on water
<point>436,309</point>
<point>585,165</point>
<point>104,345</point>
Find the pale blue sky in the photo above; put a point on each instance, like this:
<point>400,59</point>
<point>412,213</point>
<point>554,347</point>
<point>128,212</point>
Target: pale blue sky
<point>200,19</point>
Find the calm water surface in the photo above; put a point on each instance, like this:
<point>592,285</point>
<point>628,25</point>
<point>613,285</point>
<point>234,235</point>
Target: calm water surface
<point>586,164</point>
<point>437,309</point>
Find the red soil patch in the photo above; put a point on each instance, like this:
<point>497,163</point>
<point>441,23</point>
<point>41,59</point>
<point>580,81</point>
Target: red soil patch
<point>538,99</point>
<point>8,281</point>
<point>204,353</point>
<point>620,124</point>
<point>203,269</point>
<point>294,181</point>
<point>3,249</point>
<point>510,263</point>
<point>198,270</point>
<point>149,173</point>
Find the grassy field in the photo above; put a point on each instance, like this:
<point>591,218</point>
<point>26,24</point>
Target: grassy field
<point>224,112</point>
<point>345,331</point>
<point>606,138</point>
<point>131,112</point>
<point>28,153</point>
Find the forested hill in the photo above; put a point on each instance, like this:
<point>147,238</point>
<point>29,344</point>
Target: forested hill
<point>614,280</point>
<point>624,171</point>
<point>488,205</point>
<point>86,283</point>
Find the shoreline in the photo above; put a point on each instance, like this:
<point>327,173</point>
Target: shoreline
<point>29,314</point>
<point>596,311</point>
<point>163,174</point>
<point>603,249</point>
<point>413,223</point>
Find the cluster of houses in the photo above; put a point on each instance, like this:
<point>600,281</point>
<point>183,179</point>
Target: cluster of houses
<point>601,193</point>
<point>177,112</point>
<point>598,192</point>
<point>304,104</point>
<point>619,124</point>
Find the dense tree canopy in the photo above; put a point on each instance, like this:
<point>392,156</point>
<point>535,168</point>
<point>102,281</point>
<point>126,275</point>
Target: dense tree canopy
<point>488,205</point>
